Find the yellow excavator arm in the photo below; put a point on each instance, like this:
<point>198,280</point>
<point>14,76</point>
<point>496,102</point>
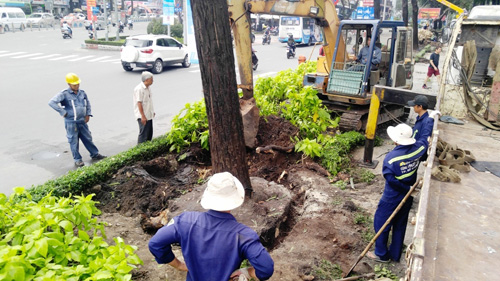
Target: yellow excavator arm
<point>452,6</point>
<point>239,12</point>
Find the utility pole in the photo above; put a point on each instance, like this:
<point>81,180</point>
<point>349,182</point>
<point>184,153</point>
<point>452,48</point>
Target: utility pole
<point>105,4</point>
<point>184,21</point>
<point>215,53</point>
<point>383,13</point>
<point>117,21</point>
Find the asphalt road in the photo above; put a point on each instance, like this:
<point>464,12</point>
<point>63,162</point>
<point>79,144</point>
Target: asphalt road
<point>33,65</point>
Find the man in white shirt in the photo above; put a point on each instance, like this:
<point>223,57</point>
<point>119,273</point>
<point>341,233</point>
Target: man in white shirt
<point>143,107</point>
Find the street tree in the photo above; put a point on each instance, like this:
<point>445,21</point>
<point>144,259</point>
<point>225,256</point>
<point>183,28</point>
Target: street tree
<point>414,18</point>
<point>215,53</point>
<point>376,9</point>
<point>404,5</point>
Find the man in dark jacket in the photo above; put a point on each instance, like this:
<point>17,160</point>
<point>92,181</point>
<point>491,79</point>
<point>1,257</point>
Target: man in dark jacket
<point>400,172</point>
<point>213,243</point>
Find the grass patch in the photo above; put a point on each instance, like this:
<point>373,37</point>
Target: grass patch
<point>327,271</point>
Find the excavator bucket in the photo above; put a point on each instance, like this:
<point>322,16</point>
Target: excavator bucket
<point>250,115</point>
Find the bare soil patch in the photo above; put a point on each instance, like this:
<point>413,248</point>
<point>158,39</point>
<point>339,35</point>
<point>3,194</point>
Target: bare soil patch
<point>301,217</point>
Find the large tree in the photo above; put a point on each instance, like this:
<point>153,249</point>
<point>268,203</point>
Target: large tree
<point>414,18</point>
<point>405,12</point>
<point>215,54</point>
<point>376,8</point>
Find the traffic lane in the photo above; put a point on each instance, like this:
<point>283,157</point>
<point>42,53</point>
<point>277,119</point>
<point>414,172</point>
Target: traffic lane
<point>41,152</point>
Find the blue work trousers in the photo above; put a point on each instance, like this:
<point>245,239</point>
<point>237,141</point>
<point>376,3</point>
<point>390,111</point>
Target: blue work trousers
<point>76,131</point>
<point>398,226</point>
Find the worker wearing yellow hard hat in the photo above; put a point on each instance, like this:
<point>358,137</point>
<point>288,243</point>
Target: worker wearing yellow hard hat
<point>72,79</point>
<point>73,104</point>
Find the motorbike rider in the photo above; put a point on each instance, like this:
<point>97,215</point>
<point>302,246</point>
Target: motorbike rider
<point>121,26</point>
<point>267,33</point>
<point>129,23</point>
<point>65,25</point>
<point>291,42</point>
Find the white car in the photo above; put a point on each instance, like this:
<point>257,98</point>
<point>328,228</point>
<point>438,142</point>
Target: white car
<point>41,20</point>
<point>153,52</point>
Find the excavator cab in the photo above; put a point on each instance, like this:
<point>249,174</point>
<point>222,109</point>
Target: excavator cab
<point>376,53</point>
<point>380,55</point>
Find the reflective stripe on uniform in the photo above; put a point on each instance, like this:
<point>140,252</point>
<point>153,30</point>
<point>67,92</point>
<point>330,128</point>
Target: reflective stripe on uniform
<point>74,109</point>
<point>414,133</point>
<point>402,157</point>
<point>404,176</point>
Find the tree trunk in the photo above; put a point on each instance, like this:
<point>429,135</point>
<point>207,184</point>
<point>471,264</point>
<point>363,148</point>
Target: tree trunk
<point>215,54</point>
<point>414,18</point>
<point>405,14</point>
<point>376,8</point>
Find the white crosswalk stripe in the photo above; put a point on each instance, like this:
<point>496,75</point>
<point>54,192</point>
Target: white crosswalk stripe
<point>66,57</point>
<point>28,55</point>
<point>45,57</point>
<point>59,57</point>
<point>12,54</point>
<point>100,58</point>
<point>81,58</point>
<point>111,60</point>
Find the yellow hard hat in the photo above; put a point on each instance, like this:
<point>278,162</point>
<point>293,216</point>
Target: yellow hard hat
<point>72,79</point>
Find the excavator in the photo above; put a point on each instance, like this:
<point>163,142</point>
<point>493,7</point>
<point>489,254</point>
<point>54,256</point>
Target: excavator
<point>342,84</point>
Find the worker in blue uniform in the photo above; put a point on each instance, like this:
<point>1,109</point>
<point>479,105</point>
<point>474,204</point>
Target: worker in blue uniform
<point>213,243</point>
<point>400,172</point>
<point>424,124</point>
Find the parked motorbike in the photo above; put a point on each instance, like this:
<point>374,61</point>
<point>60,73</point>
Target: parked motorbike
<point>274,31</point>
<point>66,33</point>
<point>255,60</point>
<point>290,52</point>
<point>91,34</point>
<point>266,39</point>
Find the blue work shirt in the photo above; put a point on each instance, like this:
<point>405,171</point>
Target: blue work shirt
<point>400,170</point>
<point>76,106</point>
<point>365,52</point>
<point>423,127</point>
<point>213,245</point>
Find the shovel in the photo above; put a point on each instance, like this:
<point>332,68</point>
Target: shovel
<point>383,226</point>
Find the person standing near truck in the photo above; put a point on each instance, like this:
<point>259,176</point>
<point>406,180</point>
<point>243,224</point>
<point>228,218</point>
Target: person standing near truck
<point>433,67</point>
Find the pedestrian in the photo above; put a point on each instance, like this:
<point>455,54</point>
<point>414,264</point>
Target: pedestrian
<point>74,105</point>
<point>422,129</point>
<point>143,107</point>
<point>213,243</point>
<point>399,170</point>
<point>433,67</point>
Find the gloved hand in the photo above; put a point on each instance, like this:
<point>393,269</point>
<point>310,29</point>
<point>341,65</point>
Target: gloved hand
<point>241,274</point>
<point>434,113</point>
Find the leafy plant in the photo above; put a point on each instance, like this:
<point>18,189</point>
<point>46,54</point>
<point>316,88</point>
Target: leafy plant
<point>327,271</point>
<point>58,239</point>
<point>341,184</point>
<point>189,126</point>
<point>309,147</point>
<point>366,176</point>
<point>383,272</point>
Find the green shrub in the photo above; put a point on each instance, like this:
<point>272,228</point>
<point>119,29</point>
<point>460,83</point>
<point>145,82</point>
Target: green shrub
<point>156,26</point>
<point>58,238</point>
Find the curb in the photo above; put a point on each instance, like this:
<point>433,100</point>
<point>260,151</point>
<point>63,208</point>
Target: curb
<point>100,47</point>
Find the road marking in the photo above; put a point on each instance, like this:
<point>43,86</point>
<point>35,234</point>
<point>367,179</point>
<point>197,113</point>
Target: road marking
<point>81,58</point>
<point>44,57</point>
<point>66,57</point>
<point>118,62</point>
<point>98,59</point>
<point>195,71</point>
<point>111,60</point>
<point>265,74</point>
<point>12,54</point>
<point>28,55</point>
<point>3,51</point>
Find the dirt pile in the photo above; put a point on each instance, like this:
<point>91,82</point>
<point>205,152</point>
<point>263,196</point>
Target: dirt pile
<point>303,219</point>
